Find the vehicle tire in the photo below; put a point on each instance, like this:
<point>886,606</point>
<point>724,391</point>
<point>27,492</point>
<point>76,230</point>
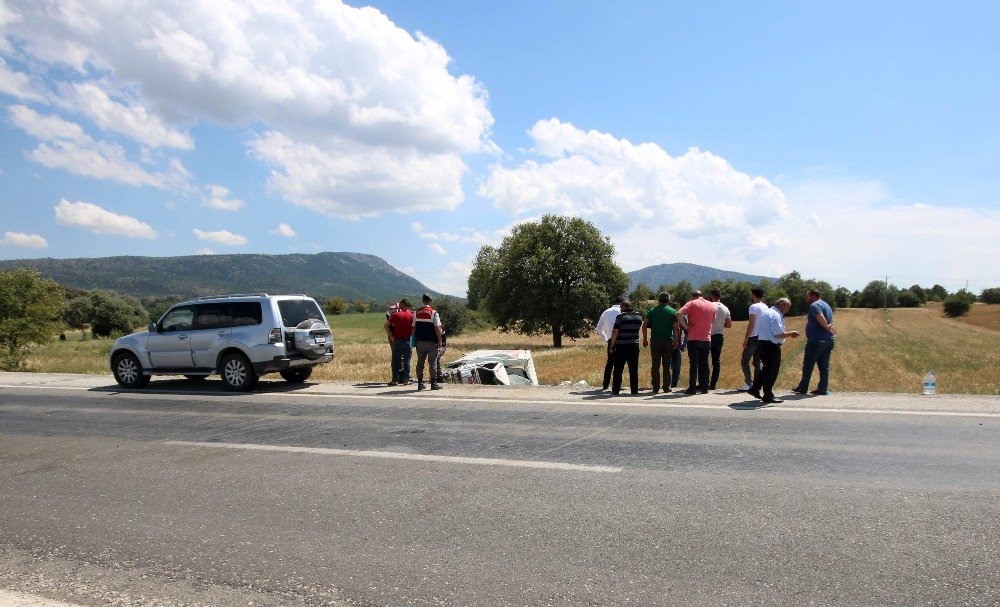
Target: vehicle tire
<point>128,371</point>
<point>296,376</point>
<point>238,373</point>
<point>195,377</point>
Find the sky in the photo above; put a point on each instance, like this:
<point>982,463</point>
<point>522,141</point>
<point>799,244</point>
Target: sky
<point>848,140</point>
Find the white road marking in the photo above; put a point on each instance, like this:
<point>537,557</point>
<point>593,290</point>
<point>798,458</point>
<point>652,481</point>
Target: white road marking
<point>623,401</point>
<point>9,598</point>
<point>444,459</point>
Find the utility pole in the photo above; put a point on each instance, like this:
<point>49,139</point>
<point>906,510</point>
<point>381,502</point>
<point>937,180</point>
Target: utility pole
<point>885,294</point>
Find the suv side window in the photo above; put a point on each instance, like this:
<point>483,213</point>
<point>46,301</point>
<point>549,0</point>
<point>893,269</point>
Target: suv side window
<point>211,316</point>
<point>245,313</point>
<point>178,319</point>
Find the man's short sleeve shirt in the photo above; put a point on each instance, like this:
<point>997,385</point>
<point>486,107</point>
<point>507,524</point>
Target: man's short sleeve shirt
<point>661,320</point>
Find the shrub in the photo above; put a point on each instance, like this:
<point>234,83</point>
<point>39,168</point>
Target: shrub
<point>908,299</point>
<point>336,306</point>
<point>455,317</point>
<point>956,306</point>
<point>990,296</point>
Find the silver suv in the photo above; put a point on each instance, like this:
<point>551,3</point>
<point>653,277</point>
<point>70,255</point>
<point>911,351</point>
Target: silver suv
<point>240,337</point>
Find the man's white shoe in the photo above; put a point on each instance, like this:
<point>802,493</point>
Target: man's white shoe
<point>744,388</point>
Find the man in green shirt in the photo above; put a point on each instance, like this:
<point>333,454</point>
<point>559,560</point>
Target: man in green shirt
<point>663,320</point>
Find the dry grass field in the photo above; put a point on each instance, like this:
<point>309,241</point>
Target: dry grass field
<point>876,351</point>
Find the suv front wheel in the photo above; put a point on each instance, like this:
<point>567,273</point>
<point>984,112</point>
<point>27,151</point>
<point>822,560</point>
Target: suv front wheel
<point>237,373</point>
<point>128,371</point>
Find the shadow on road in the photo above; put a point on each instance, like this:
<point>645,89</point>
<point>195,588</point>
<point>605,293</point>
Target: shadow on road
<point>206,386</point>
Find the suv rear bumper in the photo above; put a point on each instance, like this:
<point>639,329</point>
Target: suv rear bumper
<point>280,363</point>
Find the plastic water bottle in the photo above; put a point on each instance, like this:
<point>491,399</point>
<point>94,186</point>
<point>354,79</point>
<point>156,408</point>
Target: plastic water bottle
<point>930,384</point>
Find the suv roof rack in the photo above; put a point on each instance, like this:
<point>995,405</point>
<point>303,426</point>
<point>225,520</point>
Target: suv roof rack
<point>233,295</point>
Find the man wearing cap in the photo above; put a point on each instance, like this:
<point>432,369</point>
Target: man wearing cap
<point>697,316</point>
<point>427,334</point>
<point>770,335</point>
<point>624,343</point>
<point>604,328</point>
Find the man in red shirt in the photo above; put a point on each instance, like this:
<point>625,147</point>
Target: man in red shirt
<point>399,328</point>
<point>700,313</point>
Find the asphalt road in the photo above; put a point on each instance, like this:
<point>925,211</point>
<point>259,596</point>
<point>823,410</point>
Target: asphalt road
<point>174,497</point>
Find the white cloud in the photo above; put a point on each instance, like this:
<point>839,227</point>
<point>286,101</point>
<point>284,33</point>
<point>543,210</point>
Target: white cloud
<point>468,235</point>
<point>285,230</point>
<point>204,251</point>
<point>17,84</point>
<point>23,241</point>
<point>134,121</point>
<point>218,198</point>
<point>453,279</point>
<point>222,237</point>
<point>437,248</point>
<point>360,117</point>
<point>65,145</point>
<point>100,221</point>
<point>620,185</point>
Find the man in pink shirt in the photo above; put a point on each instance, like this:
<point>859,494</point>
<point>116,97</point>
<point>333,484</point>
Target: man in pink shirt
<point>699,313</point>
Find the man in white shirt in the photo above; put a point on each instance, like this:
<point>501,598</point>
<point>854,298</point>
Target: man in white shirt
<point>604,327</point>
<point>757,307</point>
<point>770,335</point>
<point>723,320</point>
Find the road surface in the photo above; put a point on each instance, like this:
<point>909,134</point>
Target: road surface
<point>183,494</point>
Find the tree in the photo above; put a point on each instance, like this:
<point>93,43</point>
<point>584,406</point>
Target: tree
<point>455,317</point>
<point>965,295</point>
<point>553,276</point>
<point>875,295</point>
<point>990,296</point>
<point>679,293</point>
<point>955,306</point>
<point>641,294</point>
<point>937,293</point>
<point>78,312</point>
<point>361,306</point>
<point>843,297</point>
<point>908,299</point>
<point>919,292</point>
<point>336,306</point>
<point>30,312</point>
<point>111,312</point>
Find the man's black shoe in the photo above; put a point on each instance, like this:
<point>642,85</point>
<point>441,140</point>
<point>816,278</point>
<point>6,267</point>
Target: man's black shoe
<point>704,391</point>
<point>420,386</point>
<point>711,387</point>
<point>755,394</point>
<point>798,390</point>
<point>818,393</point>
<point>690,391</point>
<point>773,401</point>
<point>657,390</point>
<point>665,390</point>
<point>435,386</point>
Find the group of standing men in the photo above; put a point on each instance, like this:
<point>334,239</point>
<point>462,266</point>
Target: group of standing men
<point>420,329</point>
<point>698,326</point>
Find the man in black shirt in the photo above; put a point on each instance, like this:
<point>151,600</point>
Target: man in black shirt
<point>624,343</point>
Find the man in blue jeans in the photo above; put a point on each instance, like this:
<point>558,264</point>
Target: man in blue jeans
<point>819,344</point>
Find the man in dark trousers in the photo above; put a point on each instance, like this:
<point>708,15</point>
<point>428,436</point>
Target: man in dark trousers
<point>427,332</point>
<point>771,334</point>
<point>819,344</point>
<point>624,344</point>
<point>662,319</point>
<point>604,327</point>
<point>696,316</point>
<point>399,327</point>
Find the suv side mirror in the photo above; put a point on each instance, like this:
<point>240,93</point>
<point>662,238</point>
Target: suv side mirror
<point>152,328</point>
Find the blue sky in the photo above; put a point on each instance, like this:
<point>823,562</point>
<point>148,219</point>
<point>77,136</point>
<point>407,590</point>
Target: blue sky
<point>847,140</point>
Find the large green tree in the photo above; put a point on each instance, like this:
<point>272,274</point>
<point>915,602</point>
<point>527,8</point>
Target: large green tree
<point>553,276</point>
<point>30,313</point>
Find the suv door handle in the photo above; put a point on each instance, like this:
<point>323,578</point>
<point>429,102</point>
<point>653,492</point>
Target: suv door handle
<point>223,333</point>
<point>182,337</point>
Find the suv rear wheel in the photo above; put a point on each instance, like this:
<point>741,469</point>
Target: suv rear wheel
<point>128,371</point>
<point>296,376</point>
<point>237,373</point>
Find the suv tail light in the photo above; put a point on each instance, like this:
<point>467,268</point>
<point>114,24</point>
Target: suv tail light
<point>274,336</point>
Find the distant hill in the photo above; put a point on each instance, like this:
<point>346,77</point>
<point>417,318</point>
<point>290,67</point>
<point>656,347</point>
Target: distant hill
<point>349,275</point>
<point>672,273</point>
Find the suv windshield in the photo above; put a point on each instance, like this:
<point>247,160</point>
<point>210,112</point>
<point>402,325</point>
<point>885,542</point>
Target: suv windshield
<point>294,311</point>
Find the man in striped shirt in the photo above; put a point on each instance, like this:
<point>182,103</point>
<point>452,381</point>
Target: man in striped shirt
<point>625,345</point>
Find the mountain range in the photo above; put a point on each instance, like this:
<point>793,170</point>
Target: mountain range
<point>672,273</point>
<point>349,275</point>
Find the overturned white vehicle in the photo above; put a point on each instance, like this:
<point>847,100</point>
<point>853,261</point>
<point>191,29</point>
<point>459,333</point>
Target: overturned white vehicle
<point>494,367</point>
